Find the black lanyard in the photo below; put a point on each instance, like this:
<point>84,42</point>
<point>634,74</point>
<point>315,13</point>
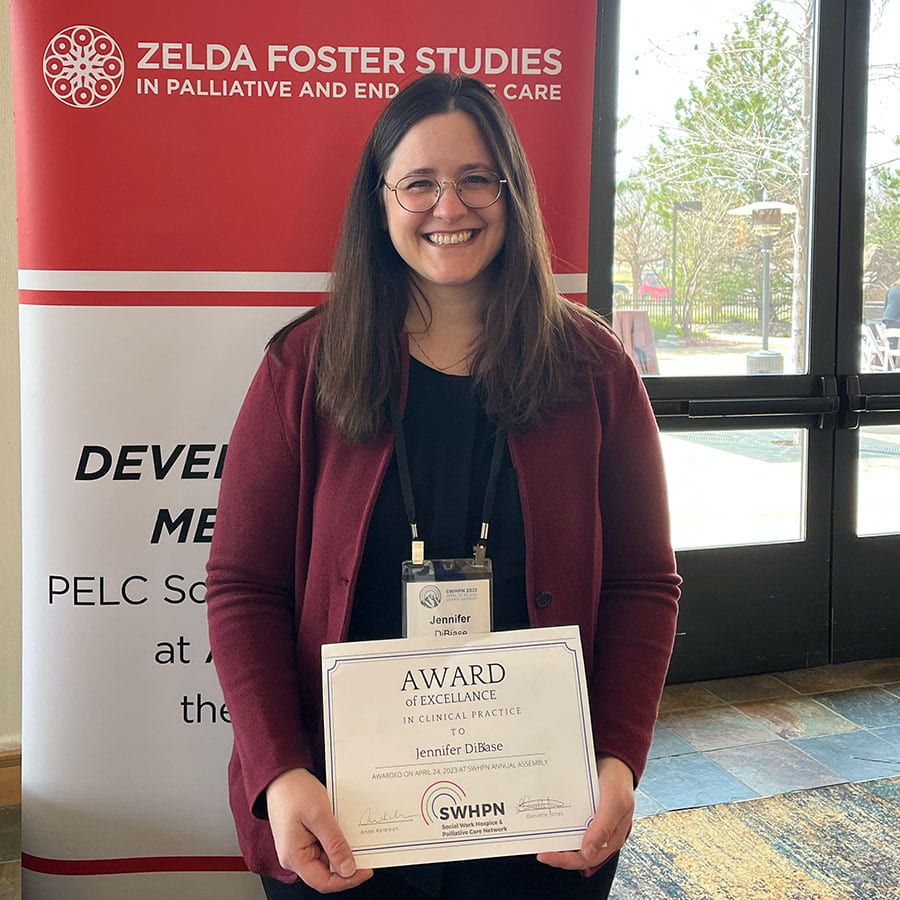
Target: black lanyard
<point>418,545</point>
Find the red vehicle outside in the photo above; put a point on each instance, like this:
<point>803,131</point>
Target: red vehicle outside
<point>653,287</point>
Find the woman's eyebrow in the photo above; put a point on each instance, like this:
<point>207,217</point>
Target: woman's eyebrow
<point>465,167</point>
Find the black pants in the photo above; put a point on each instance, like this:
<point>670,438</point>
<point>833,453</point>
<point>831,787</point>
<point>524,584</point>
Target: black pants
<point>507,878</point>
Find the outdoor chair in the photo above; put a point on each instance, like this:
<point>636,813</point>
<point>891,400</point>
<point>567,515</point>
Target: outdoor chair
<point>876,353</point>
<point>892,335</point>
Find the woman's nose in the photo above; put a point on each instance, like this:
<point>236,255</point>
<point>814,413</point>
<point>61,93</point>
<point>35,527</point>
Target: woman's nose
<point>449,204</point>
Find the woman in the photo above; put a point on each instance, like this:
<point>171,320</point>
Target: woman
<point>443,293</point>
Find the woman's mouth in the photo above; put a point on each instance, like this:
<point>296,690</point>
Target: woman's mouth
<point>444,238</point>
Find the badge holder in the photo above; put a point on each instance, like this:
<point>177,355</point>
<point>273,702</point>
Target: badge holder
<point>445,597</point>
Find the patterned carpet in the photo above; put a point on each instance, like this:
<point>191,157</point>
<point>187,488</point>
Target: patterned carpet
<point>840,842</point>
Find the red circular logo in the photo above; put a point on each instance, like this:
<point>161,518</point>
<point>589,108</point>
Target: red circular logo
<point>83,66</point>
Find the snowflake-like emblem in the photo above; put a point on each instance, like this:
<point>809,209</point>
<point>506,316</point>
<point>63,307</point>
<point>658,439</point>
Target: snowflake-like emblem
<point>83,66</point>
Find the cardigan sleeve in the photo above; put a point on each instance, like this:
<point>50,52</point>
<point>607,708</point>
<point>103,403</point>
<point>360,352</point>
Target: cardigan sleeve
<point>250,582</point>
<point>639,591</point>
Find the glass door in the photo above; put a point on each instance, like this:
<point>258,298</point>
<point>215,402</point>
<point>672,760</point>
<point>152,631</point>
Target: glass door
<point>728,155</point>
<point>866,585</point>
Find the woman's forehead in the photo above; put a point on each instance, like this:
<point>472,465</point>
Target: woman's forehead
<point>438,142</point>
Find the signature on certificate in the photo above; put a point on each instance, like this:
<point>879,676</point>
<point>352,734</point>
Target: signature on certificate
<point>383,818</point>
<point>526,804</point>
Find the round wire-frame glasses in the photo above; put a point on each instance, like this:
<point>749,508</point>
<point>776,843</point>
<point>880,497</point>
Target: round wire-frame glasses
<point>420,193</point>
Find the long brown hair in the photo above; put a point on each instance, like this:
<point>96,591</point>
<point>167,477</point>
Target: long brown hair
<point>531,354</point>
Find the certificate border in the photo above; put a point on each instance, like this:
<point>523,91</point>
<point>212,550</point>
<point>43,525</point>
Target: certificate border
<point>565,641</point>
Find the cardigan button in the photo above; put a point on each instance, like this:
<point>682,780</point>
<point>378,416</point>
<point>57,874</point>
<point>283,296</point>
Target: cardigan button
<point>543,599</point>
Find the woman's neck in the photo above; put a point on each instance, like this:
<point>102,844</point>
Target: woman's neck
<point>444,330</point>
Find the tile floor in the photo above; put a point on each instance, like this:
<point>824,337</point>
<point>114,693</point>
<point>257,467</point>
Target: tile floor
<point>733,739</point>
<point>739,738</point>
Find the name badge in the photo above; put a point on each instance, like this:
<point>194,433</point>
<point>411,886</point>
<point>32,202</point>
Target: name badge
<point>447,598</point>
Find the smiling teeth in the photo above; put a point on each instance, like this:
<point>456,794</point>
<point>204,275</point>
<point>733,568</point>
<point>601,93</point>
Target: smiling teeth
<point>458,237</point>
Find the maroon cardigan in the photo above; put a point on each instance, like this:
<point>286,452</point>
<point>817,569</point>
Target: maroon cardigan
<point>293,513</point>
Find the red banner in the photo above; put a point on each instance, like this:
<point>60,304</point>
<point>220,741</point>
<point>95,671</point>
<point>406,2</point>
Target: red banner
<point>173,137</point>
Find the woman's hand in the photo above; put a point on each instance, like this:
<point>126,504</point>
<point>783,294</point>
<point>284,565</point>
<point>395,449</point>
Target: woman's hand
<point>307,836</point>
<point>611,824</point>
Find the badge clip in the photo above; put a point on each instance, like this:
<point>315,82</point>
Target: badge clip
<point>480,549</point>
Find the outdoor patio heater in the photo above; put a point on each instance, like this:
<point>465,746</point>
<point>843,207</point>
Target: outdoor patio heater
<point>765,220</point>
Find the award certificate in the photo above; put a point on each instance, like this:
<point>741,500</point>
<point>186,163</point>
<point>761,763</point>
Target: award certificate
<point>444,751</point>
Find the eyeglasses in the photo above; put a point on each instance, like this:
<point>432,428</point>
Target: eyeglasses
<point>477,190</point>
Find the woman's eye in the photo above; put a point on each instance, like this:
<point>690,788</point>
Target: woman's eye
<point>418,185</point>
<point>477,179</point>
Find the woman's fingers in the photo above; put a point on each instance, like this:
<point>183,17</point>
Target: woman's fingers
<point>308,839</point>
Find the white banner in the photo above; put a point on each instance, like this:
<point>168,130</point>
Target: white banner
<point>126,417</point>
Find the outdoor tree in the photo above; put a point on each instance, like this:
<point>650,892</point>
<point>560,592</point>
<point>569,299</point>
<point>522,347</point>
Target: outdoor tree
<point>742,134</point>
<point>640,237</point>
<point>882,244</point>
<point>705,238</point>
<point>743,130</point>
<point>738,130</point>
<point>881,253</point>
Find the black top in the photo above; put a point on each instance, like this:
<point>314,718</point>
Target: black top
<point>449,442</point>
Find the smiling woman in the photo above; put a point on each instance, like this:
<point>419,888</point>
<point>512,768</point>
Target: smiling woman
<point>443,339</point>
